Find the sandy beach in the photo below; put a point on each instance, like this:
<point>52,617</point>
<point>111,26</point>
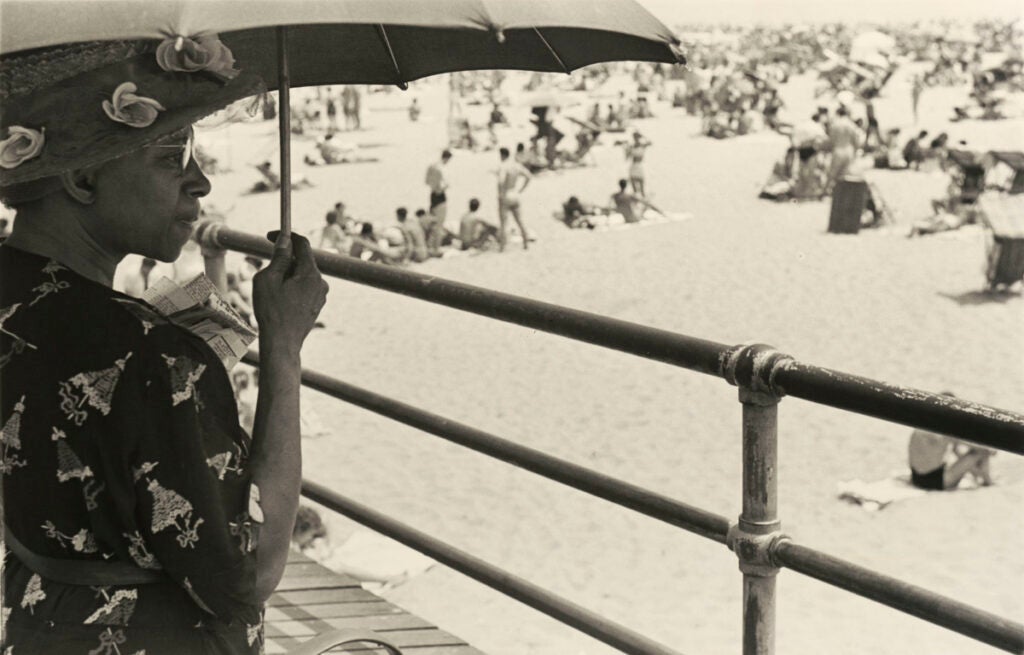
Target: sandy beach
<point>740,269</point>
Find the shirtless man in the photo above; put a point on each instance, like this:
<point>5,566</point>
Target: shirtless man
<point>509,174</point>
<point>625,203</point>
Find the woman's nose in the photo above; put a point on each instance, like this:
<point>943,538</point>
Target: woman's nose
<point>198,183</point>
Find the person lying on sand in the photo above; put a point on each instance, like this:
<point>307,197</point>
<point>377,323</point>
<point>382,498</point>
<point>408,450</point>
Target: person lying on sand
<point>271,181</point>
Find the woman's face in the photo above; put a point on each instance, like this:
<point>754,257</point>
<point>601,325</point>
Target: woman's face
<point>146,203</point>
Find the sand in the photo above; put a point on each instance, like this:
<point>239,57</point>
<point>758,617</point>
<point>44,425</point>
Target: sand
<point>741,269</point>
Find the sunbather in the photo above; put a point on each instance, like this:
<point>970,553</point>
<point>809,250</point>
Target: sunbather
<point>939,462</point>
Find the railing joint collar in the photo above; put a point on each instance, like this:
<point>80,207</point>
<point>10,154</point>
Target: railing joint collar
<point>755,544</point>
<point>753,367</point>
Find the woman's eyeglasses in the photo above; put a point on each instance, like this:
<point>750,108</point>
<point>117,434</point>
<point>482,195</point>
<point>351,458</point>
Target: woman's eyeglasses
<point>186,149</point>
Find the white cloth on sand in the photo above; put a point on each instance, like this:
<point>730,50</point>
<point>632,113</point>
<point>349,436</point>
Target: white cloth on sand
<point>873,496</point>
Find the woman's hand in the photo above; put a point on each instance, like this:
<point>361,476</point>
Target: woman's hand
<point>288,295</point>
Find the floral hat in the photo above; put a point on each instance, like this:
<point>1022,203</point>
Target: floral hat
<point>82,104</point>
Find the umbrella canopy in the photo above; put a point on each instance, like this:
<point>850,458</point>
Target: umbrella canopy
<point>363,41</point>
<point>313,42</point>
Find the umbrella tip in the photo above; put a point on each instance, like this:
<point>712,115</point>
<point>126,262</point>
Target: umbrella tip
<point>404,86</point>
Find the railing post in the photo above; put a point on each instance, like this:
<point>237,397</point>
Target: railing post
<point>754,537</point>
<point>759,522</point>
<point>214,254</point>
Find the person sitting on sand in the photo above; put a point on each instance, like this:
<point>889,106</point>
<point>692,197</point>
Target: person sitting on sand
<point>625,203</point>
<point>938,462</point>
<point>475,232</point>
<point>332,234</point>
<point>415,240</point>
<point>334,152</point>
<point>365,246</point>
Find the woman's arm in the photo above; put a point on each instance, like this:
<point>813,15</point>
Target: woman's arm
<point>289,294</point>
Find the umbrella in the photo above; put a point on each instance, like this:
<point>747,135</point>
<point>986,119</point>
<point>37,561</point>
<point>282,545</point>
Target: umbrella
<point>313,42</point>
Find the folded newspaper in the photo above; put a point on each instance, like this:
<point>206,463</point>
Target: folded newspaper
<point>198,307</point>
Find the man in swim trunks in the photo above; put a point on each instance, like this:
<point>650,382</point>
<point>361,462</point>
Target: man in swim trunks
<point>438,184</point>
<point>509,174</point>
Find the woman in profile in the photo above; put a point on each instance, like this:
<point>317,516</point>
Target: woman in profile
<point>133,510</point>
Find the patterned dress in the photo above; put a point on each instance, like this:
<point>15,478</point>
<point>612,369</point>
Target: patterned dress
<point>120,442</point>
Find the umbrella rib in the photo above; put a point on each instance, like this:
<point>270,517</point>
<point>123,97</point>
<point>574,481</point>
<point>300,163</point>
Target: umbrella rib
<point>552,51</point>
<point>402,84</point>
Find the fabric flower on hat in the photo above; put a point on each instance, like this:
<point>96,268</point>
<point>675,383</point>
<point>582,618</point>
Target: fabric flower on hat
<point>203,53</point>
<point>132,109</point>
<point>21,144</point>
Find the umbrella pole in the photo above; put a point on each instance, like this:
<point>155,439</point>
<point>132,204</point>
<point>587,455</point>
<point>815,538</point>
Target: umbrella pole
<point>284,115</point>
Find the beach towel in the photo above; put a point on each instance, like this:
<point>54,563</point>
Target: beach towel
<point>650,217</point>
<point>877,495</point>
<point>873,496</point>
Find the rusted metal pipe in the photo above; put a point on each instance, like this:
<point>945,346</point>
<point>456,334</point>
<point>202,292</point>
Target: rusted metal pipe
<point>753,537</point>
<point>969,621</point>
<point>963,419</point>
<point>692,519</point>
<point>781,375</point>
<point>569,613</point>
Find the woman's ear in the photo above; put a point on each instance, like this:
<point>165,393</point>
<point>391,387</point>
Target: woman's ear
<point>80,184</point>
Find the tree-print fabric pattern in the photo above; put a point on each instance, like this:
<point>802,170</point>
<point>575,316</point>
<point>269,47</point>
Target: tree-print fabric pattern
<point>119,441</point>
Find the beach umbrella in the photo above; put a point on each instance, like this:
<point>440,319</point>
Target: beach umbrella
<point>314,42</point>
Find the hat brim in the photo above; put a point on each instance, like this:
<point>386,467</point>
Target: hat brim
<point>79,133</point>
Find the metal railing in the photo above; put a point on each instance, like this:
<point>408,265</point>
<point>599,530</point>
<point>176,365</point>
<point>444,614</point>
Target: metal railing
<point>763,376</point>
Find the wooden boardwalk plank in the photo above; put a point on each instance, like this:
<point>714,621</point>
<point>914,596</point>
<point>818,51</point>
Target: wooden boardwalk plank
<point>312,599</point>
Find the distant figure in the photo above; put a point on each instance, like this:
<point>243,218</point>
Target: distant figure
<point>509,174</point>
<point>270,181</point>
<point>475,232</point>
<point>415,240</point>
<point>438,183</point>
<point>635,154</point>
<point>625,203</point>
<point>915,94</point>
<point>350,105</point>
<point>136,284</point>
<point>939,462</point>
<point>414,110</point>
<point>332,234</point>
<point>913,152</point>
<point>845,138</point>
<point>332,111</point>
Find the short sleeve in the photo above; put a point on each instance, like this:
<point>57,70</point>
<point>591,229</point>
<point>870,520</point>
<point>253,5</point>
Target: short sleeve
<point>184,459</point>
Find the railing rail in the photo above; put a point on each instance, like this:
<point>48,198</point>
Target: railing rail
<point>775,372</point>
<point>924,604</point>
<point>569,613</point>
<point>763,376</point>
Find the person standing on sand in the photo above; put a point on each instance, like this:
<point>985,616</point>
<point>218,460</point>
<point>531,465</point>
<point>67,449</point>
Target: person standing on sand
<point>509,174</point>
<point>635,154</point>
<point>845,138</point>
<point>438,184</point>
